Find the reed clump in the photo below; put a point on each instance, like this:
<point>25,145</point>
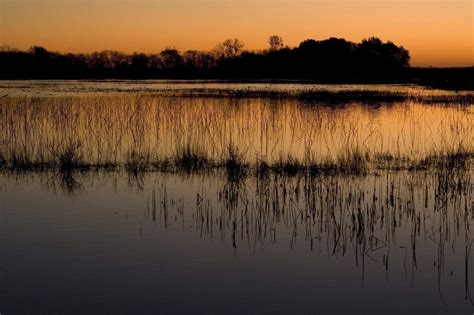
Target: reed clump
<point>353,162</point>
<point>262,168</point>
<point>20,161</point>
<point>289,166</point>
<point>137,162</point>
<point>450,161</point>
<point>3,161</point>
<point>191,158</point>
<point>234,163</point>
<point>69,157</point>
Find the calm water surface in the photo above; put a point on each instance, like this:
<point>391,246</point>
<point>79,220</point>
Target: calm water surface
<point>110,243</point>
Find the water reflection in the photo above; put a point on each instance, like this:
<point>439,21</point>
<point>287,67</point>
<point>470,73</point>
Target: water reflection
<point>405,229</point>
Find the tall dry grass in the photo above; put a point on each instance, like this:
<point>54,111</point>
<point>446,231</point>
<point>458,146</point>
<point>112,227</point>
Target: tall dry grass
<point>140,132</point>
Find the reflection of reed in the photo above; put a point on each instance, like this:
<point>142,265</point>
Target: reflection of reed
<point>390,220</point>
<point>66,182</point>
<point>140,133</point>
<point>381,219</point>
<point>468,247</point>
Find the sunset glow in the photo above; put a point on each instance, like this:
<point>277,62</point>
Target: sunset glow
<point>436,32</point>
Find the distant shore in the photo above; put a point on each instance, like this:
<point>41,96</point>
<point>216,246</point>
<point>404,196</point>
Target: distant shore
<point>440,78</point>
<point>330,61</point>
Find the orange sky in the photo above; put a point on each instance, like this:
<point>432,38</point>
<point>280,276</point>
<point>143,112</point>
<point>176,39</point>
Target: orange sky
<point>437,32</point>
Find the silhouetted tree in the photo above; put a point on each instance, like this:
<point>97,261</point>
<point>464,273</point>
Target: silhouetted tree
<point>379,59</point>
<point>198,59</point>
<point>139,65</point>
<point>8,49</point>
<point>329,60</point>
<point>275,42</point>
<point>230,48</point>
<point>171,58</point>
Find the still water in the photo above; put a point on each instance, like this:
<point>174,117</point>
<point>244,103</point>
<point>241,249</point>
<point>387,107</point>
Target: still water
<point>167,243</point>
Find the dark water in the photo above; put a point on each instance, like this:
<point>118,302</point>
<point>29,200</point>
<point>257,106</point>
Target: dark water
<point>393,242</point>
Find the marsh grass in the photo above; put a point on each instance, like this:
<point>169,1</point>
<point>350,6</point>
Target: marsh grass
<point>241,135</point>
<point>136,162</point>
<point>451,161</point>
<point>288,165</point>
<point>69,158</point>
<point>352,161</point>
<point>234,163</point>
<point>191,158</point>
<point>19,161</point>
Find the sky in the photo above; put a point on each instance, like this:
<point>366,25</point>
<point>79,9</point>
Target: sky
<point>436,32</point>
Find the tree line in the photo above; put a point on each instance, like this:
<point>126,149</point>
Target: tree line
<point>333,59</point>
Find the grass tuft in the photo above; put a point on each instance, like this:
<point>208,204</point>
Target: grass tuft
<point>191,159</point>
<point>136,162</point>
<point>3,161</point>
<point>70,158</point>
<point>234,163</point>
<point>263,168</point>
<point>289,166</point>
<point>20,162</point>
<point>353,162</point>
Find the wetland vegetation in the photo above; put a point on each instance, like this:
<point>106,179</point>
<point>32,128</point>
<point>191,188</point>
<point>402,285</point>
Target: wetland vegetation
<point>276,130</point>
<point>360,191</point>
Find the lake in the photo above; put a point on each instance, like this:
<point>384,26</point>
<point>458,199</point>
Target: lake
<point>210,197</point>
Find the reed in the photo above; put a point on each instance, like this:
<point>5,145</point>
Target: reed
<point>190,158</point>
<point>180,132</point>
<point>69,158</point>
